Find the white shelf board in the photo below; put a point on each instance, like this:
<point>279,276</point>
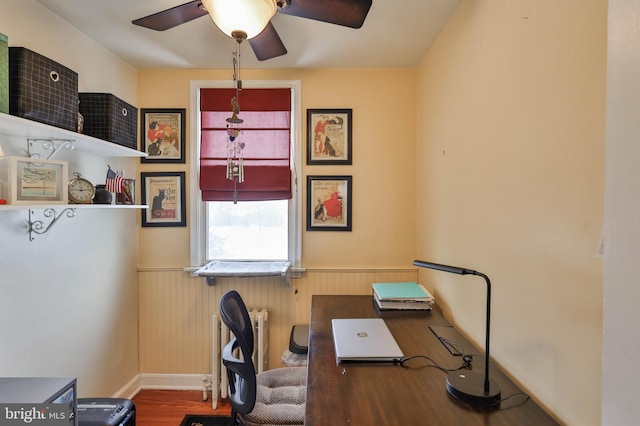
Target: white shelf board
<point>9,207</point>
<point>27,129</point>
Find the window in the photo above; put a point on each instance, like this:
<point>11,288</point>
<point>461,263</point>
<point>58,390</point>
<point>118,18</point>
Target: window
<point>249,230</point>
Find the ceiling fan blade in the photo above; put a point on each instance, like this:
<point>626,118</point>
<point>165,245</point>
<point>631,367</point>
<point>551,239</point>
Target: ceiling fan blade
<point>349,13</point>
<point>267,44</point>
<point>173,17</point>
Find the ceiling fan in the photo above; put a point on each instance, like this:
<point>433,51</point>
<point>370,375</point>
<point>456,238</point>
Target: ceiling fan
<point>265,42</point>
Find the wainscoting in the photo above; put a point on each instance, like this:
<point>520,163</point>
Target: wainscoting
<point>176,308</point>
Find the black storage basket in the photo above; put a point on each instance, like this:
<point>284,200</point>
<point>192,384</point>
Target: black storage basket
<point>42,90</point>
<point>109,118</point>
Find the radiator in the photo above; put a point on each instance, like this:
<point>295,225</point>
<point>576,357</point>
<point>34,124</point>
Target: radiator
<point>220,336</point>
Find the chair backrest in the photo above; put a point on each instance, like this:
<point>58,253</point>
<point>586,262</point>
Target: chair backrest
<point>240,369</point>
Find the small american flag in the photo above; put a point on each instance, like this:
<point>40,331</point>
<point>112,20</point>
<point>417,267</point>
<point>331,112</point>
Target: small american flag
<point>114,181</point>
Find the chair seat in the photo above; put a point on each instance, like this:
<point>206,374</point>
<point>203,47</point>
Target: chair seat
<point>280,398</point>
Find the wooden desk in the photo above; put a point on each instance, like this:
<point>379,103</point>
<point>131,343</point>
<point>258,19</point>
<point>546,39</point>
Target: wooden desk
<point>386,394</point>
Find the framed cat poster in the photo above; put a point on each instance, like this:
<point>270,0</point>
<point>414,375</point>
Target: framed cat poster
<point>329,136</point>
<point>162,135</point>
<point>164,195</point>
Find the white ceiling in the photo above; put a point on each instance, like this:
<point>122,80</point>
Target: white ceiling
<point>396,33</point>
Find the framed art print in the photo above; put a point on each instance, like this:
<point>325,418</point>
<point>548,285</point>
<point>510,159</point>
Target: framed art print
<point>329,203</point>
<point>164,194</point>
<point>163,135</point>
<point>37,181</point>
<point>329,136</point>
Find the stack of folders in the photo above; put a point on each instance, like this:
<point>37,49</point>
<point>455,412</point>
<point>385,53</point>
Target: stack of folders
<point>402,296</point>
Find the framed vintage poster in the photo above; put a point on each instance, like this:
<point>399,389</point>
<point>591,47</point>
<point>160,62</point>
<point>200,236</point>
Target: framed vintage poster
<point>163,135</point>
<point>164,194</point>
<point>37,181</point>
<point>329,136</point>
<point>329,203</point>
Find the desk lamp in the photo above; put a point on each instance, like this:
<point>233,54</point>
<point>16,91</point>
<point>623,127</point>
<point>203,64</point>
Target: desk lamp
<point>470,386</point>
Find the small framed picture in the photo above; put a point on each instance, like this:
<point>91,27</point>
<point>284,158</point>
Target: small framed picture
<point>329,136</point>
<point>128,194</point>
<point>164,194</point>
<point>163,135</point>
<point>37,181</point>
<point>329,203</point>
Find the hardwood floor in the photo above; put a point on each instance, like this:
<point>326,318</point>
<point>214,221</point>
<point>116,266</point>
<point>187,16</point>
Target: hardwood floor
<point>168,407</point>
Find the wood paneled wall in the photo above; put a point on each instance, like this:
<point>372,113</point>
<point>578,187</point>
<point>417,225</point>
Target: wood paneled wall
<point>176,310</point>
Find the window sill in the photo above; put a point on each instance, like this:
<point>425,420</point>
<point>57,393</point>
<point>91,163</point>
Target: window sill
<point>218,268</point>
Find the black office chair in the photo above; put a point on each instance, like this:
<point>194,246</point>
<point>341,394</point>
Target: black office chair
<point>274,397</point>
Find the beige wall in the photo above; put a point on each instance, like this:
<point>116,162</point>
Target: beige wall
<point>510,171</point>
<point>381,245</point>
<point>383,169</point>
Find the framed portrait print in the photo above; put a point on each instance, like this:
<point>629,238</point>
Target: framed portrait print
<point>164,194</point>
<point>163,135</point>
<point>329,136</point>
<point>37,181</point>
<point>329,203</point>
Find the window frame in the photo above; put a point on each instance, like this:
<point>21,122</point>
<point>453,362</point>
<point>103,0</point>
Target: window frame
<point>197,211</point>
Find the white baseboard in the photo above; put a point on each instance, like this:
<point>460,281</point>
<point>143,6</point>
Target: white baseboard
<point>129,390</point>
<point>173,381</point>
<point>162,381</point>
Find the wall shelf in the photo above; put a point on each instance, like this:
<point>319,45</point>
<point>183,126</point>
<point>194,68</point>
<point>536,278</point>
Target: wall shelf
<point>51,140</point>
<point>27,130</point>
<point>8,207</point>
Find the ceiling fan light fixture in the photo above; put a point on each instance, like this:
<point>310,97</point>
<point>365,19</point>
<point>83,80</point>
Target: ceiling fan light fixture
<point>249,16</point>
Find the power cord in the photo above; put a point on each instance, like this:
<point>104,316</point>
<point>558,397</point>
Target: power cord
<point>513,395</point>
<point>466,363</point>
<point>466,358</point>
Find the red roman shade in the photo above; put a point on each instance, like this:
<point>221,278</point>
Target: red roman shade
<point>266,133</point>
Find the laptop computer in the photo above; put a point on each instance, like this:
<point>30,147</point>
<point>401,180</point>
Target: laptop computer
<point>364,340</point>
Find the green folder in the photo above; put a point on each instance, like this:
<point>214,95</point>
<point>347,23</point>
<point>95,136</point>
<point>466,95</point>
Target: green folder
<point>400,291</point>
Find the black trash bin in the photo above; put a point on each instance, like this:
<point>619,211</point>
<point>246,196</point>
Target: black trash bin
<point>296,354</point>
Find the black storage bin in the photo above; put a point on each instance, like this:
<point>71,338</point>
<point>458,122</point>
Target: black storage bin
<point>42,90</point>
<point>109,118</point>
<point>106,412</point>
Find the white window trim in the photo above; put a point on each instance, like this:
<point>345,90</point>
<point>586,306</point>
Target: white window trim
<point>197,209</point>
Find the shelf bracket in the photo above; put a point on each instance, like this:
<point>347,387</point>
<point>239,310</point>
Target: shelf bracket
<point>39,227</point>
<point>52,146</point>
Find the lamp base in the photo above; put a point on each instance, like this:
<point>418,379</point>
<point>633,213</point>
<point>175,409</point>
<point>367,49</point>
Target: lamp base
<point>468,386</point>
